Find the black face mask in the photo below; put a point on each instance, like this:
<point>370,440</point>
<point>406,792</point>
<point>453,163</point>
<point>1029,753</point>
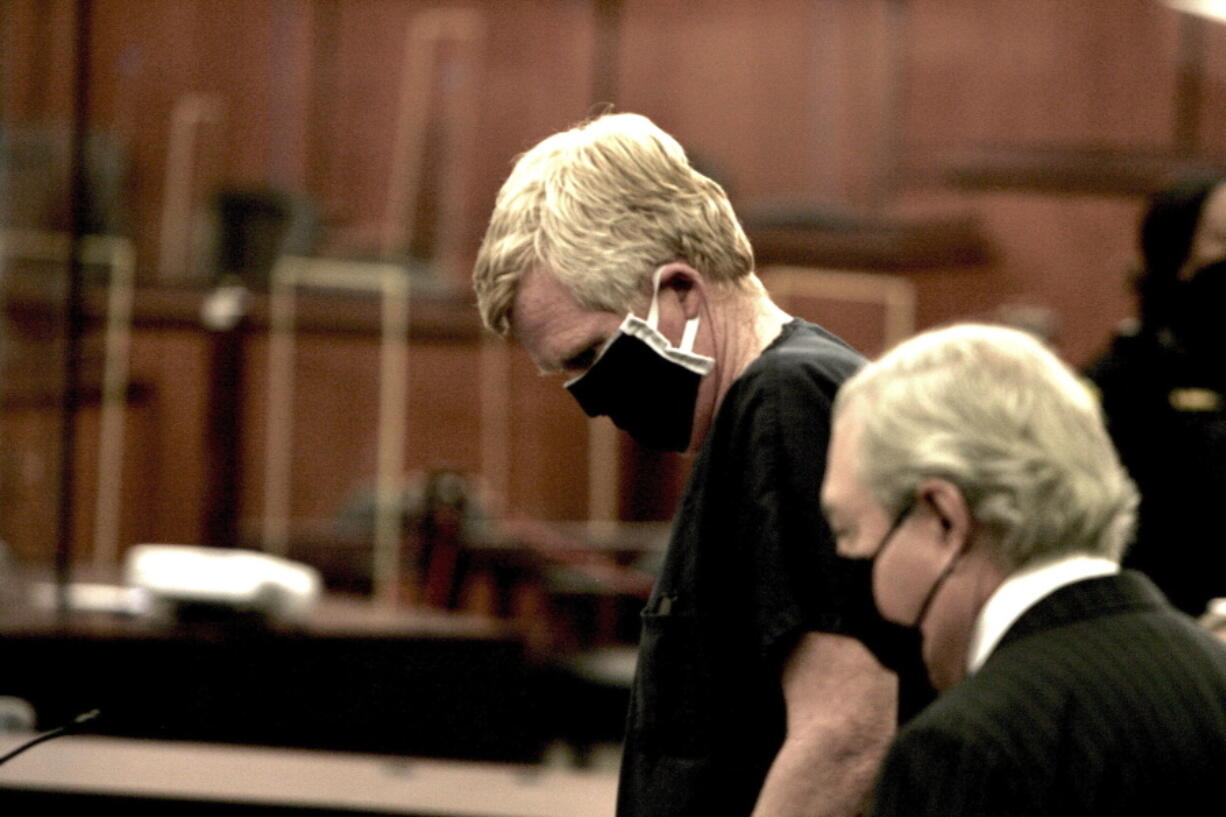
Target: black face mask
<point>936,585</point>
<point>644,384</point>
<point>1199,306</point>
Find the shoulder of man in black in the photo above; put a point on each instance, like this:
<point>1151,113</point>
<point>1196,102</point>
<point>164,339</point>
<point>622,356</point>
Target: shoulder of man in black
<point>824,353</point>
<point>759,474</point>
<point>778,415</point>
<point>804,365</point>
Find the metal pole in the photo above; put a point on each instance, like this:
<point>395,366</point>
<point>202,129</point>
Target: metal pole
<point>74,301</point>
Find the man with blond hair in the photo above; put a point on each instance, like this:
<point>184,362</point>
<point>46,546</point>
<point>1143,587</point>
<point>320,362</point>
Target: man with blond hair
<point>760,686</point>
<point>974,470</point>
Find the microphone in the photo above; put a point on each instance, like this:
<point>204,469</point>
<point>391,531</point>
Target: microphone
<point>66,729</point>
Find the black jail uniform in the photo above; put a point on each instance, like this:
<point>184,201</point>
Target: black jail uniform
<point>750,568</point>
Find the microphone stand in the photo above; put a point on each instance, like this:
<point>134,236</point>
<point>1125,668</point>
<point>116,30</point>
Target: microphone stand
<point>66,729</point>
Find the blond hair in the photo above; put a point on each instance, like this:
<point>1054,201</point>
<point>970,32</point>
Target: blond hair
<point>600,206</point>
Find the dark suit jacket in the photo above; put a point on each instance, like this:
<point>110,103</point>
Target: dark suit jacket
<point>1100,700</point>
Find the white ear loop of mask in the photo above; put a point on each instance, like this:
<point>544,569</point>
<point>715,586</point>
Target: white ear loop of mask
<point>647,332</point>
<point>688,335</point>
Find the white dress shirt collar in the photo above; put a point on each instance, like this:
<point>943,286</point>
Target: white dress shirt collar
<point>1020,591</point>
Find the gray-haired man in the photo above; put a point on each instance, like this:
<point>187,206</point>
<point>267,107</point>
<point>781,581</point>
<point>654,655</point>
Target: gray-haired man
<point>973,469</point>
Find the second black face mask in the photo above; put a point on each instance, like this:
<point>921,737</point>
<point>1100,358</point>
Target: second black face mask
<point>1199,315</point>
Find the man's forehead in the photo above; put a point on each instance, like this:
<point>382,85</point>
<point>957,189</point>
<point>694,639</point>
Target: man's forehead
<point>551,323</point>
<point>539,291</point>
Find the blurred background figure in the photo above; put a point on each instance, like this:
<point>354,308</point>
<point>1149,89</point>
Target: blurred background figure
<point>1163,382</point>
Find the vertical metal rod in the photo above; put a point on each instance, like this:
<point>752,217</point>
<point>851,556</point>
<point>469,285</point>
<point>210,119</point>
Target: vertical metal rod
<point>428,32</point>
<point>496,417</point>
<point>192,112</point>
<point>279,437</point>
<point>74,301</point>
<point>392,435</point>
<point>121,261</point>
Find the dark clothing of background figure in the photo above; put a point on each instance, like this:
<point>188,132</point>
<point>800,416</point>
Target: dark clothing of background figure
<point>1100,700</point>
<point>1166,411</point>
<point>750,568</point>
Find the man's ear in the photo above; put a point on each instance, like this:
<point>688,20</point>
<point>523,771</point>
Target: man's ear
<point>949,510</point>
<point>686,284</point>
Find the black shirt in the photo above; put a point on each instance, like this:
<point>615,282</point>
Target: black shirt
<point>751,567</point>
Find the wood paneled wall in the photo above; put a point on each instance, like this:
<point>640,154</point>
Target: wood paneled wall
<point>857,102</point>
<point>847,101</point>
<point>905,109</point>
<point>536,465</point>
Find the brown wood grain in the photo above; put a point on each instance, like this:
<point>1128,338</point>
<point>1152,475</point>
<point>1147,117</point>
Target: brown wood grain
<point>1038,123</point>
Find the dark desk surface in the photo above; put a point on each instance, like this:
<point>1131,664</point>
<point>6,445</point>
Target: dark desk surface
<point>318,782</point>
<point>353,678</point>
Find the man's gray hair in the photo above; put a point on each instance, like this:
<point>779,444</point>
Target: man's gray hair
<point>600,206</point>
<point>997,414</point>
